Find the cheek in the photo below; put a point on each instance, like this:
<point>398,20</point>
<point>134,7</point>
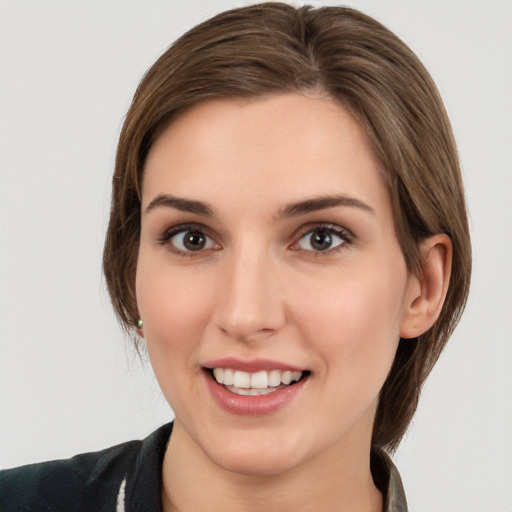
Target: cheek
<point>175,307</point>
<point>175,311</point>
<point>354,320</point>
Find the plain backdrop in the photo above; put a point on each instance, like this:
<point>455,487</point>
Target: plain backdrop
<point>69,381</point>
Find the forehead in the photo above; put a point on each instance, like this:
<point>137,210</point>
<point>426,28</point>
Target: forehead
<point>276,148</point>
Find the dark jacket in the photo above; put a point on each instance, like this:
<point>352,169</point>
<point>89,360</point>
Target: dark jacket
<point>126,478</point>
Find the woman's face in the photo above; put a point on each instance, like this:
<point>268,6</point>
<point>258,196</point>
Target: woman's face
<point>268,246</point>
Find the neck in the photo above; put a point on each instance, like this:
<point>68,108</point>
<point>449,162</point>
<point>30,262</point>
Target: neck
<point>337,480</point>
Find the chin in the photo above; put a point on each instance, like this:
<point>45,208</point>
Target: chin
<point>256,463</point>
<point>255,452</point>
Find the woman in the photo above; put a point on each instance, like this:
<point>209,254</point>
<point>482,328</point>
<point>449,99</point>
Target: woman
<point>288,236</point>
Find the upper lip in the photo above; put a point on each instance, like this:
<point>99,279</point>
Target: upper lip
<point>251,366</point>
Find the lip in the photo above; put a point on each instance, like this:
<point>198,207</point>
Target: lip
<point>252,366</point>
<point>259,405</point>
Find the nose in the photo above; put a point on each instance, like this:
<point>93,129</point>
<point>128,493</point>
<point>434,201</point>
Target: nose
<point>251,299</point>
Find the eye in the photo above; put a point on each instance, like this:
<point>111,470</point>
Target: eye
<point>187,240</point>
<point>323,239</point>
<point>191,241</point>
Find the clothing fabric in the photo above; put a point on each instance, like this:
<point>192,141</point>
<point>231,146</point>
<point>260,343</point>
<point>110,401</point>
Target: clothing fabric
<point>127,478</point>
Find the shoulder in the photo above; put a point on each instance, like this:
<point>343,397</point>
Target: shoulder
<point>74,484</point>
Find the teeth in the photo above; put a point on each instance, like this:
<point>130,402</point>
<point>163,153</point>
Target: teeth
<point>250,391</point>
<point>258,383</point>
<point>286,378</point>
<point>274,378</point>
<point>218,373</point>
<point>229,377</point>
<point>242,380</point>
<point>259,380</point>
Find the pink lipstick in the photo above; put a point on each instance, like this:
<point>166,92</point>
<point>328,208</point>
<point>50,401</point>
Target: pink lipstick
<point>255,387</point>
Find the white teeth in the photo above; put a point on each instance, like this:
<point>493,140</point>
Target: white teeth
<point>257,383</point>
<point>274,378</point>
<point>259,380</point>
<point>286,378</point>
<point>229,377</point>
<point>250,391</point>
<point>242,379</point>
<point>296,376</point>
<point>218,373</point>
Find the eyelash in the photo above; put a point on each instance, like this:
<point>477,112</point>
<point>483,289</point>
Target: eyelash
<point>345,235</point>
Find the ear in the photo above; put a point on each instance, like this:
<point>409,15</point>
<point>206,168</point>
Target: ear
<point>426,293</point>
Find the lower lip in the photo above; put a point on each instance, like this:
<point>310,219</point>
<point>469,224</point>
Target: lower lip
<point>253,405</point>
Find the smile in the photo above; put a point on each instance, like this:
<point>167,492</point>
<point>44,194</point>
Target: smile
<point>255,384</point>
<point>254,388</point>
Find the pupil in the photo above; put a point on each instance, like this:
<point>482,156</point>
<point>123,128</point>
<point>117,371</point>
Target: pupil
<point>194,241</point>
<point>321,240</point>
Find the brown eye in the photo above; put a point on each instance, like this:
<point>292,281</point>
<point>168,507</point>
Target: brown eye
<point>321,240</point>
<point>191,241</point>
<point>194,240</point>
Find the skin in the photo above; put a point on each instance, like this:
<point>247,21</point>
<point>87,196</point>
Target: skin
<point>259,289</point>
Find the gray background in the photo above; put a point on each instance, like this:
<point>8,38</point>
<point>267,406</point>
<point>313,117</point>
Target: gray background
<point>69,384</point>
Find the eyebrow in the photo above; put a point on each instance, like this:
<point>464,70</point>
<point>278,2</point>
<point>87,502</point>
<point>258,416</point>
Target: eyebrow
<point>290,210</point>
<point>180,203</point>
<point>322,203</point>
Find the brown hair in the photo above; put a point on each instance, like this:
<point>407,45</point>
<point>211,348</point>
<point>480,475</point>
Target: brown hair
<point>271,48</point>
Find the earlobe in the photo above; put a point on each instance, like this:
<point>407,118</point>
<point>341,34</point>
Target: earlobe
<point>427,292</point>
